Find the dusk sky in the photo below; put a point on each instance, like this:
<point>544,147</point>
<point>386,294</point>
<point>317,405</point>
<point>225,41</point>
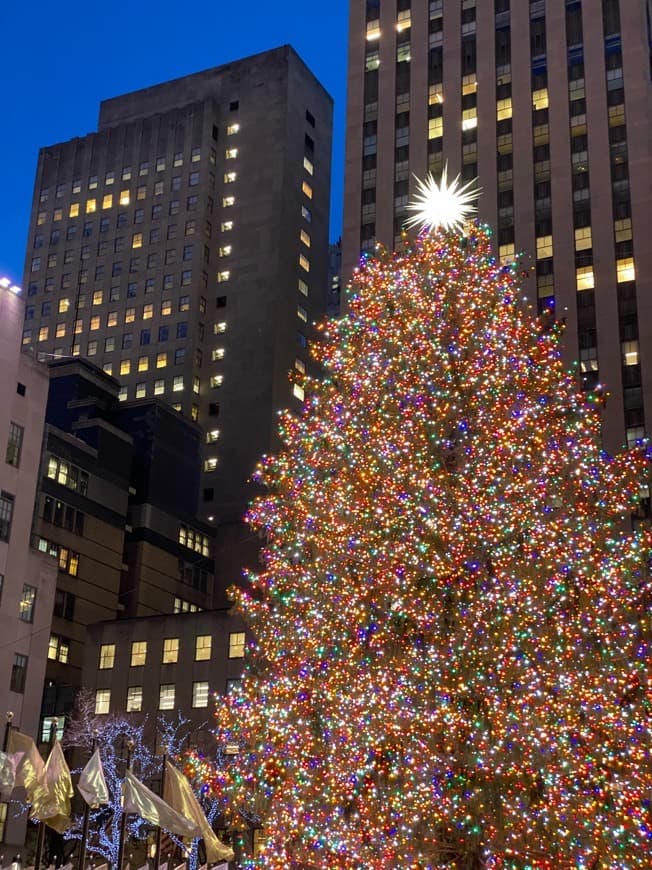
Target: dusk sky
<point>60,60</point>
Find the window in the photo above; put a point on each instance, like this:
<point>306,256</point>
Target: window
<point>14,444</point>
<point>102,701</point>
<point>18,673</point>
<point>200,694</point>
<point>27,603</point>
<point>58,648</point>
<point>307,189</point>
<point>107,656</point>
<point>134,699</point>
<point>236,644</point>
<point>231,153</point>
<point>232,685</point>
<point>223,276</point>
<point>219,327</point>
<point>203,645</point>
<point>625,270</point>
<point>64,605</point>
<point>170,650</point>
<point>304,263</point>
<point>148,311</point>
<point>232,129</point>
<point>161,360</point>
<point>67,474</point>
<point>137,240</point>
<point>138,653</point>
<point>6,515</point>
<point>195,155</point>
<point>145,336</point>
<point>91,206</point>
<point>166,696</point>
<point>177,383</point>
<point>584,277</point>
<point>212,436</point>
<point>159,387</point>
<point>193,179</point>
<point>130,315</point>
<point>226,202</point>
<point>298,392</point>
<point>107,200</point>
<point>216,381</point>
<point>184,303</point>
<point>73,211</point>
<point>143,363</point>
<point>225,250</point>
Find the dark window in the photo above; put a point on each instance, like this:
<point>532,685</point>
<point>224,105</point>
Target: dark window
<point>163,333</point>
<point>21,389</point>
<point>209,494</point>
<point>182,329</point>
<point>214,409</point>
<point>18,673</point>
<point>6,514</point>
<point>14,444</point>
<point>64,605</point>
<point>234,105</point>
<point>221,301</point>
<point>145,336</point>
<point>310,118</point>
<point>309,143</point>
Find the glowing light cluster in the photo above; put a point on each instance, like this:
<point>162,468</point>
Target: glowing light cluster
<point>451,665</point>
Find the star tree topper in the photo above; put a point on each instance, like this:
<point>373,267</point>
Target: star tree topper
<point>443,205</point>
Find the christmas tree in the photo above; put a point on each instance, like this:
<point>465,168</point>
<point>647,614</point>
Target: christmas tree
<point>452,620</point>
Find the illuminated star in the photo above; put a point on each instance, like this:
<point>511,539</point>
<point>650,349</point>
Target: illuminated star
<point>443,205</point>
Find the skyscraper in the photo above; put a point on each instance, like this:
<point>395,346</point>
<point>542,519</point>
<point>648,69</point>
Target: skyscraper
<point>183,248</point>
<point>549,103</point>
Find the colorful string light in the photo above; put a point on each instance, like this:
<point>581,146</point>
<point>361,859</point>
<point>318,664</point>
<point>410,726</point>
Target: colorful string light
<point>452,621</point>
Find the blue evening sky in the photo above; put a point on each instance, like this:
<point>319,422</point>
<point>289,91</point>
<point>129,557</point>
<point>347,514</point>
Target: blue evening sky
<point>58,60</point>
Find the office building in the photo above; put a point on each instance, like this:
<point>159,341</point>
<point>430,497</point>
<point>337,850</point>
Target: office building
<point>549,104</point>
<point>121,527</point>
<point>183,248</point>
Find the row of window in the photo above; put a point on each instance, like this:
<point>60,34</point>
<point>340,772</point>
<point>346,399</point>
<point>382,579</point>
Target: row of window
<point>67,474</point>
<point>171,648</point>
<point>68,560</point>
<point>167,697</point>
<point>14,444</point>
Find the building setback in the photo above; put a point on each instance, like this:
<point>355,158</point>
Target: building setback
<point>121,527</point>
<point>549,104</point>
<point>183,247</point>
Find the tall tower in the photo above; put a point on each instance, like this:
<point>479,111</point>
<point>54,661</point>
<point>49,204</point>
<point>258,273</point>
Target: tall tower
<point>183,248</point>
<point>549,103</point>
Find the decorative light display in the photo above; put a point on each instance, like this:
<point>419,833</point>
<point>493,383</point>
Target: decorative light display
<point>439,204</point>
<point>452,620</point>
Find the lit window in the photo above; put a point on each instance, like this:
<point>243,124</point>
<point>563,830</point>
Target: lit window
<point>112,318</point>
<point>236,644</point>
<point>195,155</point>
<point>177,384</point>
<point>212,435</point>
<point>216,381</point>
<point>217,353</point>
<point>41,218</point>
<point>109,178</point>
<point>134,699</point>
<point>623,230</point>
<point>97,297</point>
<point>159,387</point>
<point>195,384</point>
<point>92,182</point>
<point>203,644</point>
<point>166,307</point>
<point>308,166</point>
<point>122,394</point>
<point>304,263</point>
<point>226,226</point>
<point>108,368</point>
<point>225,250</point>
<point>583,239</point>
<point>130,315</point>
<point>166,697</point>
<point>506,253</point>
<point>303,287</point>
<point>540,99</point>
<point>200,694</point>
<point>300,366</point>
<point>178,159</point>
<point>124,197</point>
<point>138,653</point>
<point>228,201</point>
<point>544,247</point>
<point>210,464</point>
<point>170,650</point>
<point>143,363</point>
<point>307,189</point>
<point>125,367</point>
<point>584,278</point>
<point>43,333</point>
<point>91,348</point>
<point>305,238</point>
<point>126,173</point>
<point>107,656</point>
<point>102,701</point>
<point>161,360</point>
<point>91,206</point>
<point>148,311</point>
<point>160,164</point>
<point>220,327</point>
<point>137,240</point>
<point>504,109</point>
<point>107,200</point>
<point>61,330</point>
<point>435,128</point>
<point>231,153</point>
<point>298,392</point>
<point>469,119</point>
<point>74,210</point>
<point>95,322</point>
<point>625,270</point>
<point>58,214</point>
<point>630,353</point>
<point>230,177</point>
<point>223,276</point>
<point>141,390</point>
<point>232,129</point>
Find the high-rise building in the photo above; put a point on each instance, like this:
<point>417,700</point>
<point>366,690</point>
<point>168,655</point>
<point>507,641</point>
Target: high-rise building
<point>183,248</point>
<point>549,104</point>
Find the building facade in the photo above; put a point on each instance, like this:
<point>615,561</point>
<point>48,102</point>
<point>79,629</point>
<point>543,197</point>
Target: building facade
<point>115,508</point>
<point>549,104</point>
<point>27,577</point>
<point>183,247</point>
